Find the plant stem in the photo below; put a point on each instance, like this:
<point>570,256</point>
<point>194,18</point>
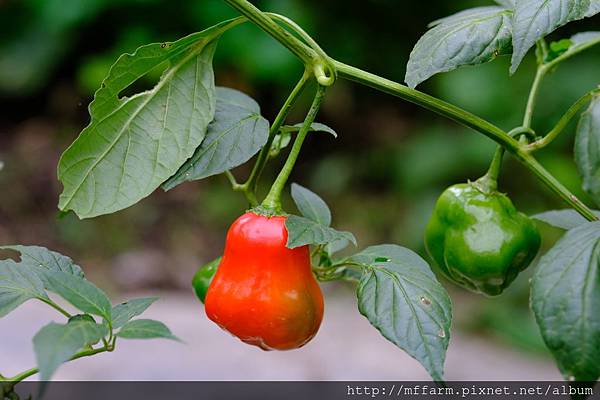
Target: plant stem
<point>252,182</point>
<point>56,307</point>
<point>533,94</point>
<point>429,102</point>
<point>563,122</point>
<point>273,200</point>
<point>489,182</point>
<point>293,44</point>
<point>26,374</point>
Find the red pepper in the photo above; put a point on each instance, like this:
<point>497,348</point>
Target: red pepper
<point>263,292</point>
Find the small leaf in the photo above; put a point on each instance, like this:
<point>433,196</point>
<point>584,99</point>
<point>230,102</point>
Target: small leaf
<point>556,49</point>
<point>122,313</point>
<point>55,343</point>
<point>314,127</point>
<point>303,231</point>
<point>132,145</point>
<point>36,256</point>
<point>470,37</point>
<point>79,292</point>
<point>280,142</point>
<point>17,285</point>
<point>565,298</point>
<point>587,149</point>
<point>564,219</point>
<point>400,296</point>
<point>237,133</point>
<point>311,206</point>
<point>534,19</point>
<point>146,329</point>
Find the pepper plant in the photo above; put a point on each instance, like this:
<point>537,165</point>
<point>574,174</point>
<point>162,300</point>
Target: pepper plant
<point>262,290</point>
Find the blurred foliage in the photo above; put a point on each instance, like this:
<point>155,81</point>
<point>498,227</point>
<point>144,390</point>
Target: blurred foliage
<point>381,176</point>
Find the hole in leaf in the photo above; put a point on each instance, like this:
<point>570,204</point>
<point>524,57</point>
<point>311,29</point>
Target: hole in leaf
<point>425,301</point>
<point>9,254</point>
<point>145,82</point>
<point>441,333</point>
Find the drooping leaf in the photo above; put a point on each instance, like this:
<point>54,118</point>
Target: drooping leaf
<point>237,133</point>
<point>122,313</point>
<point>80,292</point>
<point>17,285</point>
<point>56,343</point>
<point>401,297</point>
<point>146,329</point>
<point>564,219</point>
<point>303,231</point>
<point>534,19</point>
<point>132,145</point>
<point>311,206</point>
<point>587,149</point>
<point>565,297</point>
<point>470,37</point>
<point>583,40</point>
<point>40,257</point>
<point>314,127</point>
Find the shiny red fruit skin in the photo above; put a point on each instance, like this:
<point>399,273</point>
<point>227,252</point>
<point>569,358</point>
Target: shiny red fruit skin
<point>263,292</point>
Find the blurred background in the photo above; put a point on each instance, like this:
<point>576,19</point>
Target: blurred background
<point>381,178</point>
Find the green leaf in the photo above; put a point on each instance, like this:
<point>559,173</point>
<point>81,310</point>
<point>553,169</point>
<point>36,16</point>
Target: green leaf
<point>583,40</point>
<point>80,292</point>
<point>40,257</point>
<point>401,297</point>
<point>534,19</point>
<point>236,134</point>
<point>311,206</point>
<point>122,313</point>
<point>132,145</point>
<point>565,298</point>
<point>587,149</point>
<point>556,49</point>
<point>314,127</point>
<point>470,37</point>
<point>17,285</point>
<point>55,343</point>
<point>146,329</point>
<point>564,219</point>
<point>303,231</point>
<point>280,142</point>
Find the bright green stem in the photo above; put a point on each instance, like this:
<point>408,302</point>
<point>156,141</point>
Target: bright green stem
<point>306,54</point>
<point>56,307</point>
<point>263,156</point>
<point>26,374</point>
<point>489,182</point>
<point>273,200</point>
<point>533,95</point>
<point>563,122</point>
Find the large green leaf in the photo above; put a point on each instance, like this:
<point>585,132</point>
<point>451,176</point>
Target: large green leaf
<point>122,313</point>
<point>303,231</point>
<point>401,297</point>
<point>311,206</point>
<point>55,343</point>
<point>133,144</point>
<point>470,37</point>
<point>565,297</point>
<point>146,329</point>
<point>587,149</point>
<point>79,292</point>
<point>236,134</point>
<point>534,19</point>
<point>17,285</point>
<point>40,257</point>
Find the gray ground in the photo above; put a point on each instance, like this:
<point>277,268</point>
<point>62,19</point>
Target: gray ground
<point>346,348</point>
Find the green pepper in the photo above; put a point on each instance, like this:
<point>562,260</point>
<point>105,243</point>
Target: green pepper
<point>478,238</point>
<point>203,277</point>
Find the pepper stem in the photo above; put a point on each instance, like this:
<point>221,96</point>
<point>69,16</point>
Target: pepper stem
<point>489,182</point>
<point>273,200</point>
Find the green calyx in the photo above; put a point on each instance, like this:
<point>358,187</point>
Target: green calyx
<point>478,238</point>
